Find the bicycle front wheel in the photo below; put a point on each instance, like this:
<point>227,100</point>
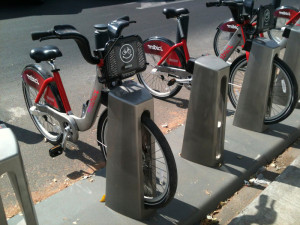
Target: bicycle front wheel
<point>283,92</point>
<point>161,85</point>
<point>220,41</point>
<point>160,162</point>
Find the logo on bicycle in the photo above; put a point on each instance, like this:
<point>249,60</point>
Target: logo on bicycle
<point>34,80</point>
<point>284,13</point>
<point>154,47</point>
<point>126,53</point>
<point>267,15</point>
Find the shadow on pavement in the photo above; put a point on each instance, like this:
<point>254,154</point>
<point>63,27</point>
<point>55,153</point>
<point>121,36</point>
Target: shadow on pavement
<point>92,157</point>
<point>264,212</point>
<point>20,8</point>
<point>172,213</point>
<point>179,102</point>
<point>25,135</point>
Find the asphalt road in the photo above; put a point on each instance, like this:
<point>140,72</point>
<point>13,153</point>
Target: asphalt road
<point>18,19</point>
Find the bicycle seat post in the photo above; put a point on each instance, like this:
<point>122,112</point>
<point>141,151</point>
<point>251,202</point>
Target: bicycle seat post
<point>52,64</point>
<point>182,27</point>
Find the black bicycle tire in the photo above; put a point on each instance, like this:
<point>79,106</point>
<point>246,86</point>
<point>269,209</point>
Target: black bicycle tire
<point>45,76</point>
<point>176,90</point>
<point>173,179</point>
<point>291,79</point>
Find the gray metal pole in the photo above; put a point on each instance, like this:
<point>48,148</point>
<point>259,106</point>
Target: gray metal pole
<point>124,171</point>
<point>253,100</point>
<point>205,126</point>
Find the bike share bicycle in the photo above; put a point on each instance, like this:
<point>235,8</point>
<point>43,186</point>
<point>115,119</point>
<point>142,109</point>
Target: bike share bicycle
<point>284,89</point>
<point>168,61</point>
<point>49,108</point>
<point>284,15</point>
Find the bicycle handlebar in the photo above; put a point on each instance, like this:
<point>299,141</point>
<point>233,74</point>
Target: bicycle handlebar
<point>41,34</point>
<point>224,3</point>
<point>212,4</point>
<point>69,32</point>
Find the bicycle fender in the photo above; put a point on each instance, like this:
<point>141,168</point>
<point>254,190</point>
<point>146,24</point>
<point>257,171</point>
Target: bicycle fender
<point>34,75</point>
<point>228,25</point>
<point>160,46</point>
<point>286,12</point>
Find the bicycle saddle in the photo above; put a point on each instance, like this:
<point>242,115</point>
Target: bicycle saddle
<point>174,13</point>
<point>45,53</point>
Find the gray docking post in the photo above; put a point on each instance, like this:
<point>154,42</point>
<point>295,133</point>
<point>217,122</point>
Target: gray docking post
<point>206,118</point>
<point>124,171</point>
<point>292,54</point>
<point>253,100</point>
<point>11,162</point>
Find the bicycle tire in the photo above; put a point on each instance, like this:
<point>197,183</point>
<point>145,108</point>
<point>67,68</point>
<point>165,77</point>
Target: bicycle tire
<point>220,40</point>
<point>46,124</point>
<point>170,185</point>
<point>284,92</point>
<point>157,82</point>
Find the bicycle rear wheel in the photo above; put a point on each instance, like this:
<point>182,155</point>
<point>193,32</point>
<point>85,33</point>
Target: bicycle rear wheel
<point>47,125</point>
<point>159,83</point>
<point>159,161</point>
<point>284,93</point>
<point>220,41</point>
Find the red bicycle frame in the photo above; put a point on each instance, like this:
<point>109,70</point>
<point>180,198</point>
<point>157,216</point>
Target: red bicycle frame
<point>294,19</point>
<point>180,44</point>
<point>57,80</point>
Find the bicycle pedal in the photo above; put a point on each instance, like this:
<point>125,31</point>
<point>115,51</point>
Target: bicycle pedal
<point>55,151</point>
<point>171,82</point>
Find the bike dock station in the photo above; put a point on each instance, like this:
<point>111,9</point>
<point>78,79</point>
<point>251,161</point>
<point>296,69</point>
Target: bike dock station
<point>292,53</point>
<point>200,188</point>
<point>203,143</point>
<point>11,162</point>
<point>124,171</point>
<point>206,119</point>
<point>253,100</point>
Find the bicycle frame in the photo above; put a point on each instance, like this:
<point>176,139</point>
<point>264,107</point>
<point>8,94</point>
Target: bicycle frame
<point>177,45</point>
<point>82,123</point>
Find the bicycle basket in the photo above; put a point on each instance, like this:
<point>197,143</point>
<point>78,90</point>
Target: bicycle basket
<point>265,18</point>
<point>124,57</point>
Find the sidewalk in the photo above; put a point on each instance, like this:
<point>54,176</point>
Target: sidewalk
<point>200,188</point>
<point>278,203</point>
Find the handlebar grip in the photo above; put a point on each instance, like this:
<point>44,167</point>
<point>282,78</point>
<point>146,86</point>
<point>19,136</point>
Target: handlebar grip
<point>41,34</point>
<point>212,4</point>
